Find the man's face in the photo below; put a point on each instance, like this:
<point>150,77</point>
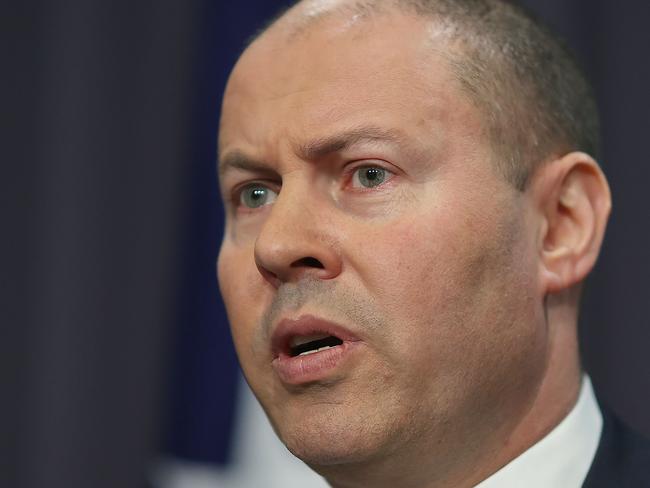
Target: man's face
<point>362,203</point>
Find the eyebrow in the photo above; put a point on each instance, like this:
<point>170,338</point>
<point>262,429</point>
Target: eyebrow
<point>315,149</point>
<point>321,147</point>
<point>239,160</point>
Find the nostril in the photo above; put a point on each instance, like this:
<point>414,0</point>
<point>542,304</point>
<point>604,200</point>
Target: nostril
<point>269,276</point>
<point>308,262</point>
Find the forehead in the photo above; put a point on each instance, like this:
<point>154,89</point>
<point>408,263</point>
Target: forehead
<point>389,70</point>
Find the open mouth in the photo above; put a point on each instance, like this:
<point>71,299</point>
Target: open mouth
<point>305,345</point>
<point>310,349</point>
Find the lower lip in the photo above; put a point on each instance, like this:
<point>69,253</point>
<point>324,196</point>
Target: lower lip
<point>318,366</point>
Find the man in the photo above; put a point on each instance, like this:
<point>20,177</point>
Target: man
<point>412,205</point>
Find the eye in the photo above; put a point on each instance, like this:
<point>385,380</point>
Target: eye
<point>369,177</point>
<point>256,195</point>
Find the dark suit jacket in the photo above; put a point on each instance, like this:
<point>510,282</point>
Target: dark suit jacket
<point>622,459</point>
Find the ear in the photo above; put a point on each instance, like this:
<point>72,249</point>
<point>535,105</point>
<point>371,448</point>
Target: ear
<point>574,201</point>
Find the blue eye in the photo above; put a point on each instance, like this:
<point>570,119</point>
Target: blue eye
<point>255,196</point>
<point>369,177</point>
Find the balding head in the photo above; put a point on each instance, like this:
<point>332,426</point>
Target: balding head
<point>535,100</point>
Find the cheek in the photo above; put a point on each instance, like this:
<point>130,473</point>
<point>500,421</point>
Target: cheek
<point>236,277</point>
<point>443,279</point>
<point>412,266</point>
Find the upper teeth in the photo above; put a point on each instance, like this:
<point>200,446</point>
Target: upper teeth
<point>312,351</point>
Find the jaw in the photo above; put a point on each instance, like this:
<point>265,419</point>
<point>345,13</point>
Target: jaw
<point>341,431</point>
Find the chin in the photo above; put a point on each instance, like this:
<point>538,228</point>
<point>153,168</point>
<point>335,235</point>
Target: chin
<point>330,450</point>
<point>334,438</point>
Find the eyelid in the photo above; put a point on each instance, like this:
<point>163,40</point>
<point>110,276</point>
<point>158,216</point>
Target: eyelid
<point>237,191</point>
<point>354,166</point>
<point>348,172</point>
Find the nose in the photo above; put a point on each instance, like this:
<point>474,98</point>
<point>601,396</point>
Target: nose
<point>296,240</point>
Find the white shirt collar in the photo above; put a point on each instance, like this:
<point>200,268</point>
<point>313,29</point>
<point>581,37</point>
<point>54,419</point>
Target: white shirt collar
<point>563,457</point>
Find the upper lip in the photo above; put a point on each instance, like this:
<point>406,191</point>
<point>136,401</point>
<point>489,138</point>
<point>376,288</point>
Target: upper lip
<point>305,325</point>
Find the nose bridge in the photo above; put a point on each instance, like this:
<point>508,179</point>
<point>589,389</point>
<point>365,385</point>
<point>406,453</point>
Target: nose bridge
<point>295,237</point>
<point>292,221</point>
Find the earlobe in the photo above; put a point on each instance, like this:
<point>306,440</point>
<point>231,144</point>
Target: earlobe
<point>573,196</point>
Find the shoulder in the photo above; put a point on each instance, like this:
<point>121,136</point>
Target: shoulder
<point>623,456</point>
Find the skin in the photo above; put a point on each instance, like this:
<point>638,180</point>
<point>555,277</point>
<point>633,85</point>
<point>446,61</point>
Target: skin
<point>462,289</point>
